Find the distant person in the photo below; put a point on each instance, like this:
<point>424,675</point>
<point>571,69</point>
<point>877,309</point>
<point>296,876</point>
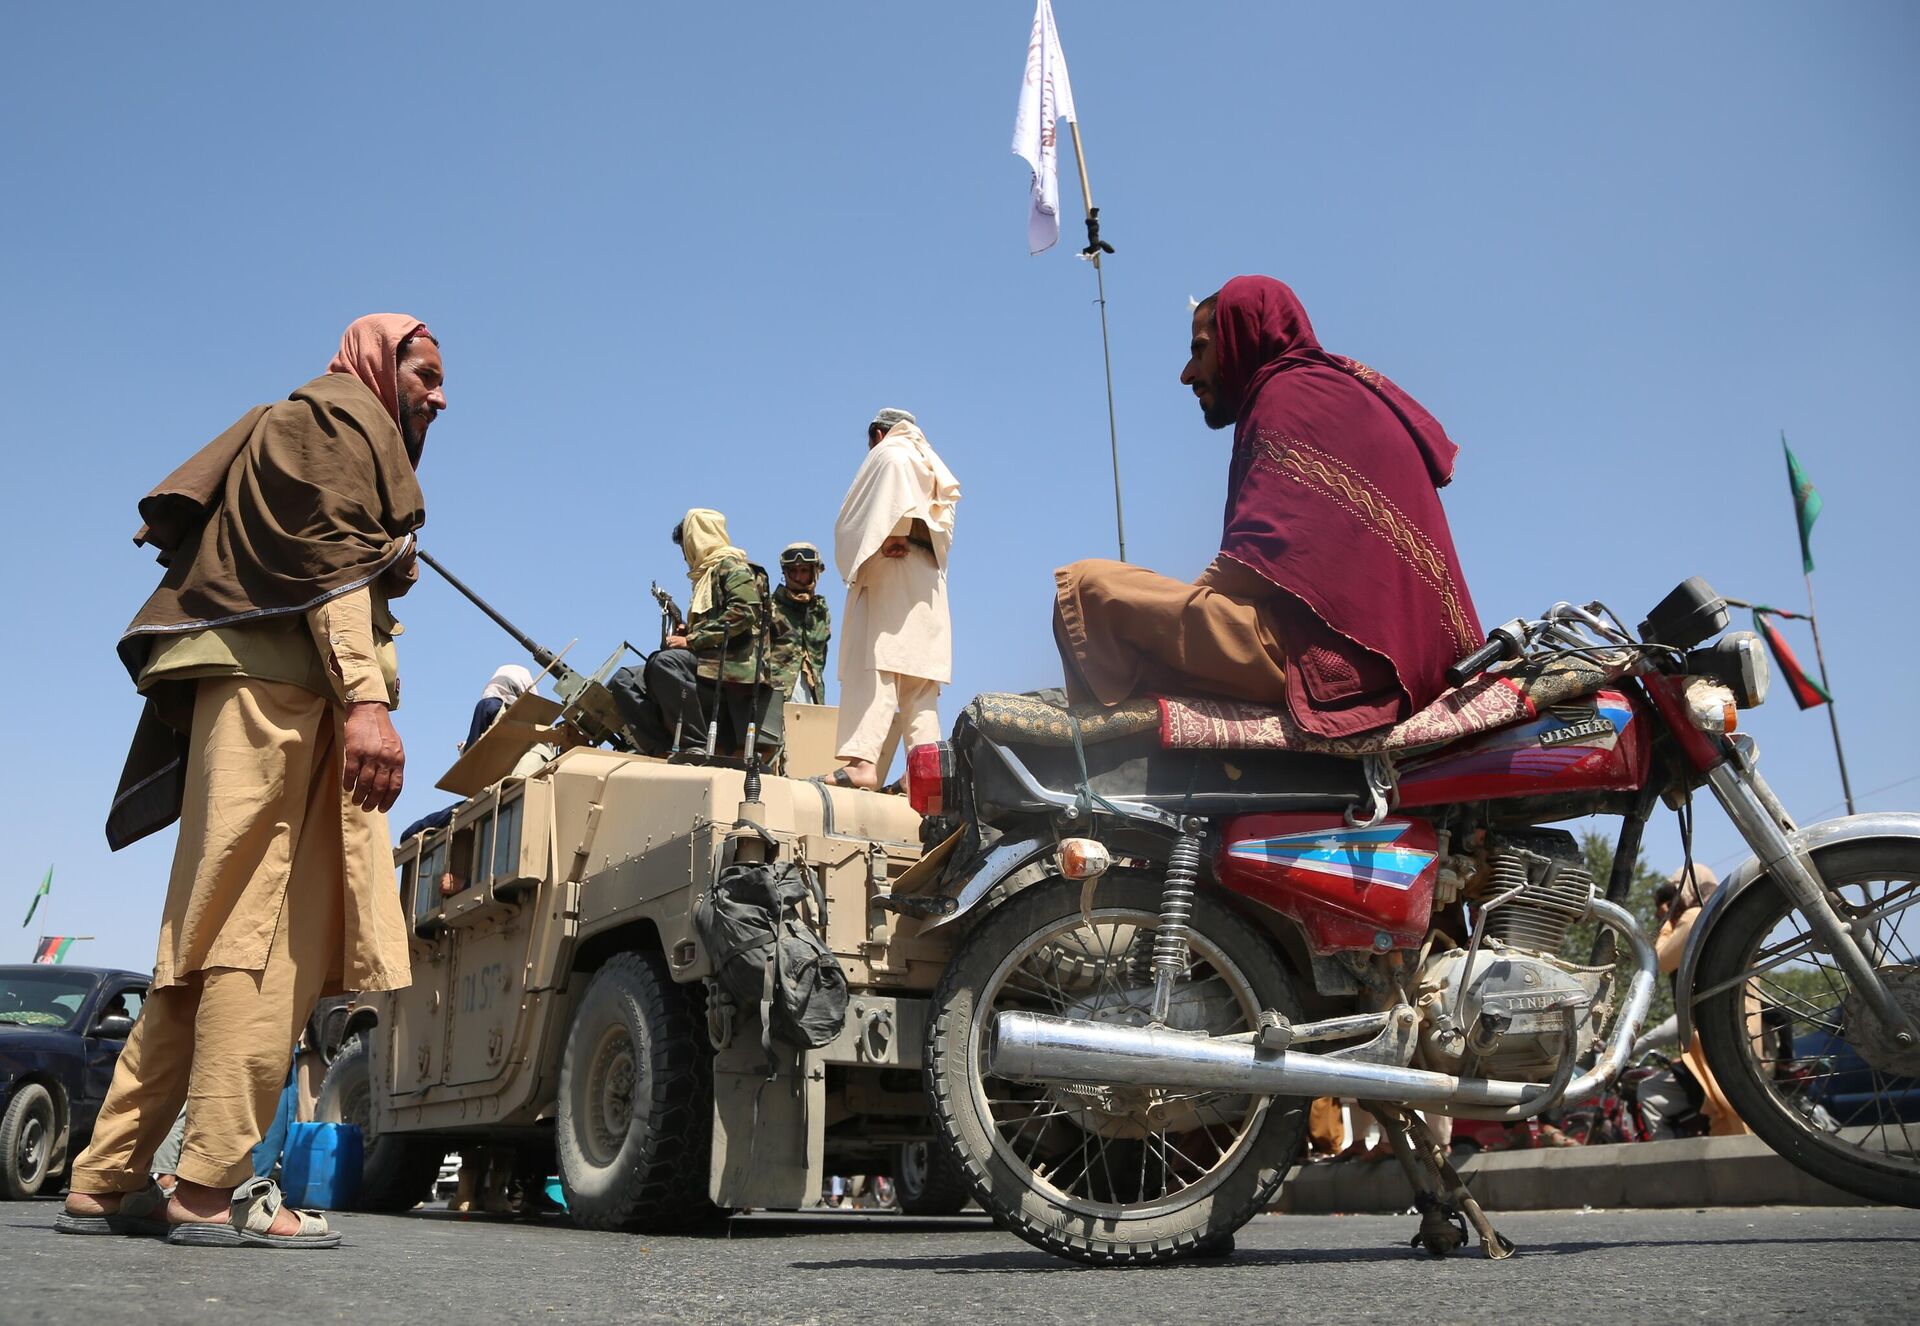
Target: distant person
<point>1336,591</point>
<point>1686,1087</point>
<point>802,627</point>
<point>267,662</point>
<point>891,544</point>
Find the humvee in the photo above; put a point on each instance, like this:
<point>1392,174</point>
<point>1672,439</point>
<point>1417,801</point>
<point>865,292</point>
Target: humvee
<point>560,1003</point>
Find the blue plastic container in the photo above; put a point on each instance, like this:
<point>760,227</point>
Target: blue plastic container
<point>320,1169</point>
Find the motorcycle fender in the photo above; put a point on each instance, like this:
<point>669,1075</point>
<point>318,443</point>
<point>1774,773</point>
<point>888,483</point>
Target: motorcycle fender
<point>1003,860</point>
<point>1811,840</point>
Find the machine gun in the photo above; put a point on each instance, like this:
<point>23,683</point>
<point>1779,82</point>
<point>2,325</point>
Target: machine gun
<point>586,703</point>
<point>672,621</point>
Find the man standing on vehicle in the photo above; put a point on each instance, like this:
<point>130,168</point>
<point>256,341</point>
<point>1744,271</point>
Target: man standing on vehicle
<point>267,662</point>
<point>802,626</point>
<point>1336,591</point>
<point>891,544</point>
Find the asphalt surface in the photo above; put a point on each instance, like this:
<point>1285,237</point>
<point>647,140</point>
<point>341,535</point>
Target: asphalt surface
<point>1845,1265</point>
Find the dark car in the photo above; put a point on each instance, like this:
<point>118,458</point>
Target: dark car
<point>61,1032</point>
<point>1831,1074</point>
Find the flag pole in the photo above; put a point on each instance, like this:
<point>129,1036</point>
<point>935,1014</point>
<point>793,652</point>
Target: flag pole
<point>1820,656</point>
<point>1095,247</point>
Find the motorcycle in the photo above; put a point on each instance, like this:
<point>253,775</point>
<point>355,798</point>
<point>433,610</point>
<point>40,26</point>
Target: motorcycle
<point>1184,922</point>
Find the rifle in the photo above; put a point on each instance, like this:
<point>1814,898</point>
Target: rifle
<point>585,701</point>
<point>672,620</point>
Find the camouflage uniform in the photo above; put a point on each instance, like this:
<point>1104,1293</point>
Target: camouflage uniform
<point>739,590</point>
<point>801,629</point>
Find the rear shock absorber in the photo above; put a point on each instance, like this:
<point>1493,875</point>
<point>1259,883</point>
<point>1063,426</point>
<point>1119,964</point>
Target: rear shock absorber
<point>1170,946</point>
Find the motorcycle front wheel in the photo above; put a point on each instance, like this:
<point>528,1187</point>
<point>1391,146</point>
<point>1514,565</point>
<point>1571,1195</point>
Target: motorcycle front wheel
<point>1801,1059</point>
<point>1106,1174</point>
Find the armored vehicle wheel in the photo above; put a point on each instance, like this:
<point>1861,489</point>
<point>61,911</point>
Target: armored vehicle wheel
<point>1109,1175</point>
<point>398,1169</point>
<point>928,1181</point>
<point>27,1136</point>
<point>635,1124</point>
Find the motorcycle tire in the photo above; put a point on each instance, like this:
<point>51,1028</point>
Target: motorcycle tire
<point>1123,1224</point>
<point>1749,1087</point>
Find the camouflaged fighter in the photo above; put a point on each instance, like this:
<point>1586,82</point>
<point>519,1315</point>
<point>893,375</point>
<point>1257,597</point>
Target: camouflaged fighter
<point>561,1002</point>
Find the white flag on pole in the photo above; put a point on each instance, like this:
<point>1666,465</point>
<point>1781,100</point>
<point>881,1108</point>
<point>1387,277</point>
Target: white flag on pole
<point>1046,98</point>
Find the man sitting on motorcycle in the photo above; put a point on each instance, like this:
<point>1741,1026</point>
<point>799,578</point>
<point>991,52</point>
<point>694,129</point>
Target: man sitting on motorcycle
<point>1336,590</point>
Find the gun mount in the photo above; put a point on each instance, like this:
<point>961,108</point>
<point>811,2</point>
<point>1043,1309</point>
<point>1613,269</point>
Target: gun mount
<point>586,702</point>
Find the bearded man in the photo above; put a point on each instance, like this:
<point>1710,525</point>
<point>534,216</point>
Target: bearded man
<point>1336,590</point>
<point>266,658</point>
<point>891,544</point>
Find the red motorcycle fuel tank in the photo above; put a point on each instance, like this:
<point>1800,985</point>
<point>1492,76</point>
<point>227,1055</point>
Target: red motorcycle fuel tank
<point>1348,888</point>
<point>1596,744</point>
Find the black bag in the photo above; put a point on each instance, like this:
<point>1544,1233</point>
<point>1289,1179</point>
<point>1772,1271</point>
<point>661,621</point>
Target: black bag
<point>764,954</point>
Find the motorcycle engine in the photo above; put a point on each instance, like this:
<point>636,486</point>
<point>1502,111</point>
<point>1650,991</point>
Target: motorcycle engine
<point>1510,1019</point>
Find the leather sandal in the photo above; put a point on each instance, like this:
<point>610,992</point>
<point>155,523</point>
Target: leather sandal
<point>838,778</point>
<point>255,1203</point>
<point>141,1213</point>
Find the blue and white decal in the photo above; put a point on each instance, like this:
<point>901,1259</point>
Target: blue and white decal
<point>1366,856</point>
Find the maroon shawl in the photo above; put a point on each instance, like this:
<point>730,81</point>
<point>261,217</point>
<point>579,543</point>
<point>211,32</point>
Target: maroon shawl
<point>1332,497</point>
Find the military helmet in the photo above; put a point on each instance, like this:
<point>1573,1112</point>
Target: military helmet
<point>800,554</point>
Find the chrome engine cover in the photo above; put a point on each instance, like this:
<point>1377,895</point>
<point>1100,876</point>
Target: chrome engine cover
<point>1511,1020</point>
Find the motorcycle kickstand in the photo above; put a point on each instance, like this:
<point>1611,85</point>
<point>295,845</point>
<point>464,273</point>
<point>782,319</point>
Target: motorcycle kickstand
<point>1494,1245</point>
<point>1442,1229</point>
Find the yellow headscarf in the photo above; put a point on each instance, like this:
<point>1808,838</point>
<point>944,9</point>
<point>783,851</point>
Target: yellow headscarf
<point>703,541</point>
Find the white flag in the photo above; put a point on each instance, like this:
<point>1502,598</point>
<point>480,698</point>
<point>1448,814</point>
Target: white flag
<point>1046,98</point>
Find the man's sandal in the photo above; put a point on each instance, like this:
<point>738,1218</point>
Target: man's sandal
<point>140,1213</point>
<point>255,1203</point>
<point>838,778</point>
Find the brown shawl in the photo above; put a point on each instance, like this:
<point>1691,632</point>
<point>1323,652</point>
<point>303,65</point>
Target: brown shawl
<point>297,503</point>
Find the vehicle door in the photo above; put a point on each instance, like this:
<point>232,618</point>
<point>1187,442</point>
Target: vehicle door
<point>100,1053</point>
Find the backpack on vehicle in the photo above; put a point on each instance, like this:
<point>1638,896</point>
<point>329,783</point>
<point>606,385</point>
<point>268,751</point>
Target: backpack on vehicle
<point>765,953</point>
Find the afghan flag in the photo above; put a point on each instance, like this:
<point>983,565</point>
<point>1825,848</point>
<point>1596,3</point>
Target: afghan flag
<point>1806,506</point>
<point>1807,693</point>
<point>51,949</point>
<point>46,886</point>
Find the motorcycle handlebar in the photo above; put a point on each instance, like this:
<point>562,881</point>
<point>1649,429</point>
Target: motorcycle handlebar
<point>1503,642</point>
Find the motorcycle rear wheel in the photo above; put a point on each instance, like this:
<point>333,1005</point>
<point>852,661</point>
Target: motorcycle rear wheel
<point>1111,1176</point>
<point>1791,1095</point>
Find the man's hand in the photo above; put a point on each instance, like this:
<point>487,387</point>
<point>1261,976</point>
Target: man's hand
<point>374,760</point>
<point>676,642</point>
<point>895,546</point>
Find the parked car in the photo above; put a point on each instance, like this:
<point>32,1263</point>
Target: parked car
<point>61,1032</point>
<point>1837,1088</point>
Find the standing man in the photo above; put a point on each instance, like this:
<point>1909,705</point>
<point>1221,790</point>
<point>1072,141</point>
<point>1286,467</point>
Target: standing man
<point>891,544</point>
<point>1336,591</point>
<point>802,626</point>
<point>266,658</point>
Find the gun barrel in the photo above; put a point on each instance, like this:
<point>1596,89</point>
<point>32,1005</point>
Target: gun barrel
<point>543,656</point>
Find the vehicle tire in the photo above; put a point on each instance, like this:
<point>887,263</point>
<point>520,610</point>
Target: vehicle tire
<point>397,1170</point>
<point>28,1132</point>
<point>928,1182</point>
<point>635,1121</point>
<point>1118,1206</point>
<point>1773,1093</point>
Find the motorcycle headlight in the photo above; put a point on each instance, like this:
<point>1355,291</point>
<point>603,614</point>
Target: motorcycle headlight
<point>1738,661</point>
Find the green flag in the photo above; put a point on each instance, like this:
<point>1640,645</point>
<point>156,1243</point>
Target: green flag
<point>45,885</point>
<point>1806,503</point>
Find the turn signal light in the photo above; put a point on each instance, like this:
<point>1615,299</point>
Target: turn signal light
<point>928,768</point>
<point>1083,858</point>
<point>1711,706</point>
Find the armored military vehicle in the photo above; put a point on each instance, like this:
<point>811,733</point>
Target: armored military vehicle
<point>561,1006</point>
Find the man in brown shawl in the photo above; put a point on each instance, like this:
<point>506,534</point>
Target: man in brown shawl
<point>266,659</point>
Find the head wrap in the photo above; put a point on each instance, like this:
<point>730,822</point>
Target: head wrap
<point>370,350</point>
<point>887,418</point>
<point>1332,497</point>
<point>508,684</point>
<point>703,542</point>
<point>1694,893</point>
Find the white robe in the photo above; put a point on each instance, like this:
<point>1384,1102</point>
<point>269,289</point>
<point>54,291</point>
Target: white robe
<point>896,617</point>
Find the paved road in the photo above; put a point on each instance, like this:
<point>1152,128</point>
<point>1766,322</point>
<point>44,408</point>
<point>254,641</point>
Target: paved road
<point>1843,1264</point>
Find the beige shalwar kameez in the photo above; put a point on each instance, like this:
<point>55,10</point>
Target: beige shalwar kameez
<point>896,632</point>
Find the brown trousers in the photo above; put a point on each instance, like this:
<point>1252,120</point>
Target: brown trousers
<point>263,792</point>
<point>1124,631</point>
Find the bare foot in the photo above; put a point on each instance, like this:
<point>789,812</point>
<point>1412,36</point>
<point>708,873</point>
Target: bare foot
<point>195,1203</point>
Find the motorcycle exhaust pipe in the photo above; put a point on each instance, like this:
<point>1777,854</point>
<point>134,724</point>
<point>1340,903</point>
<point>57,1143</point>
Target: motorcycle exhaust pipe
<point>1036,1047</point>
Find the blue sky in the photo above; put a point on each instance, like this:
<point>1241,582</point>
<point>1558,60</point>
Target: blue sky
<point>678,254</point>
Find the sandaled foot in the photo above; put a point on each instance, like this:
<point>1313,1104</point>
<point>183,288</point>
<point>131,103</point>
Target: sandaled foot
<point>838,778</point>
<point>138,1213</point>
<point>256,1218</point>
